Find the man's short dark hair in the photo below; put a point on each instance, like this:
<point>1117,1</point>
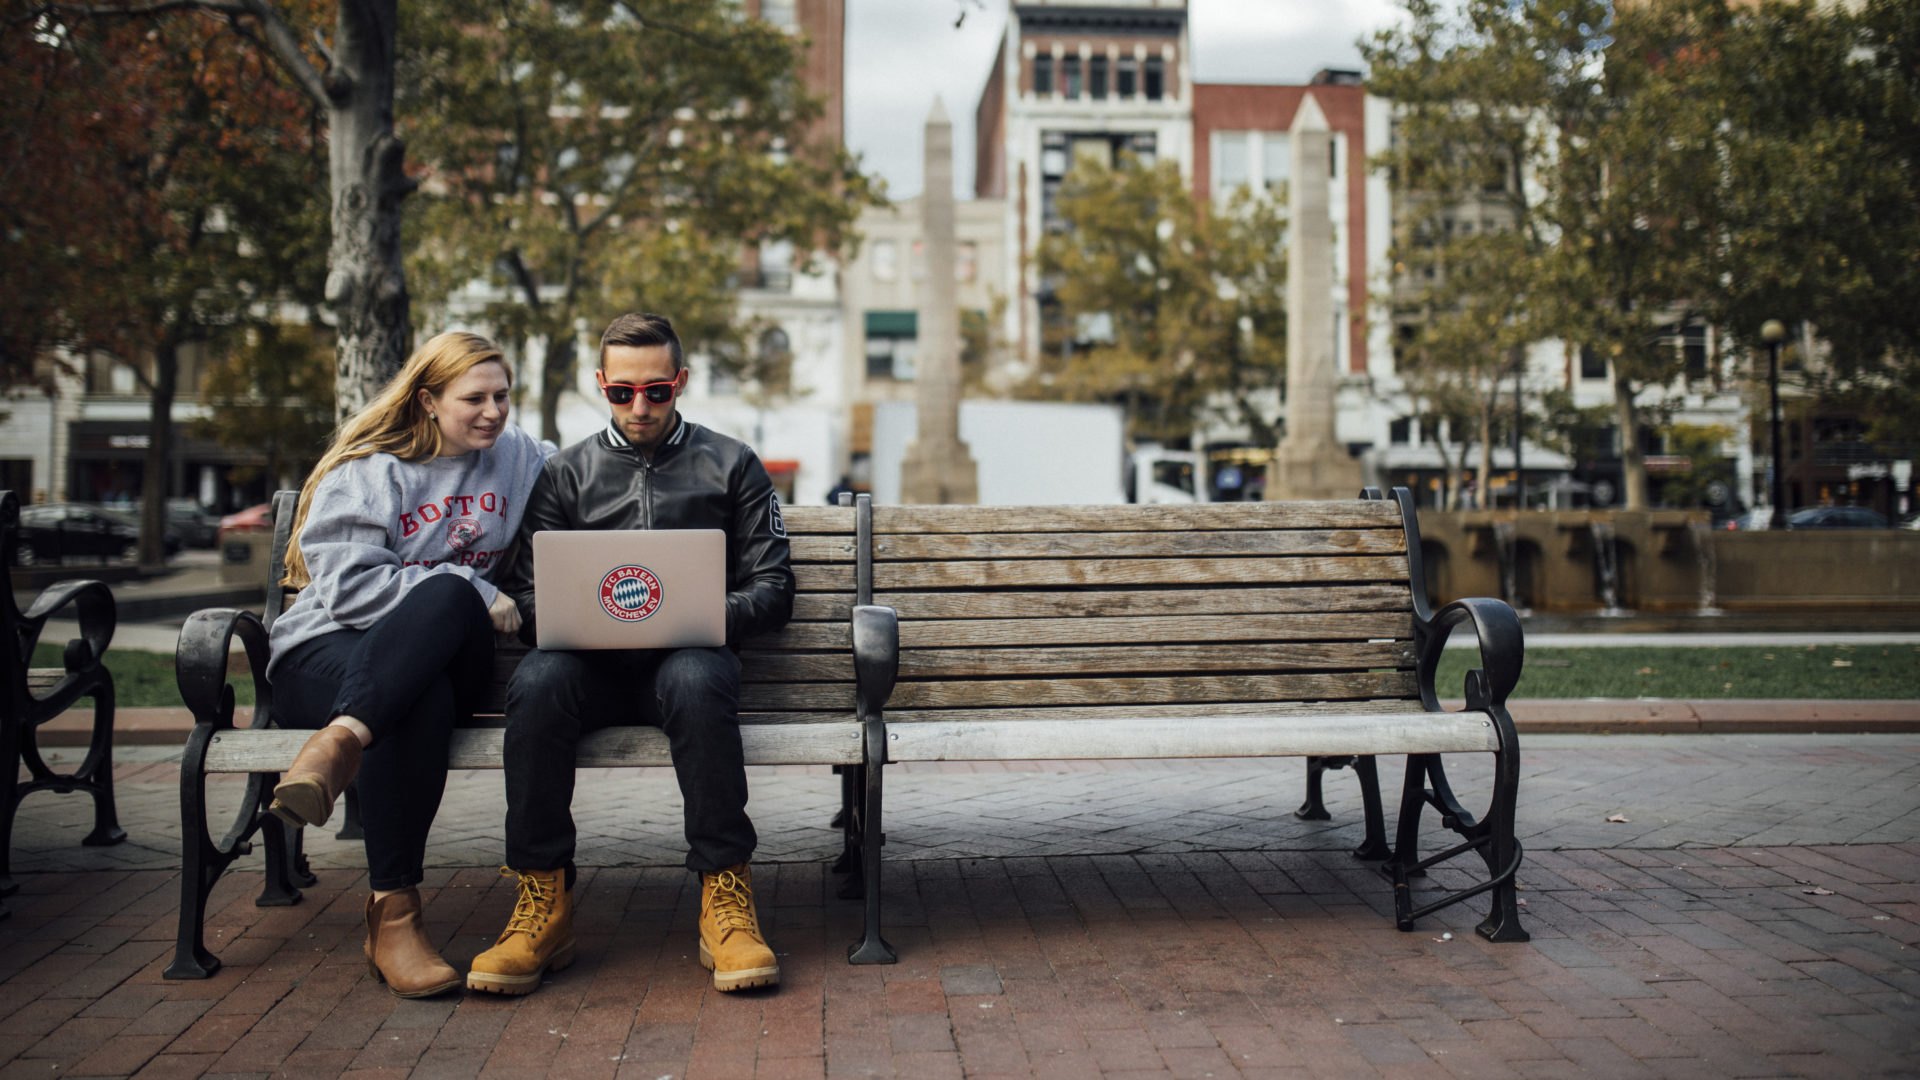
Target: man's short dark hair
<point>640,329</point>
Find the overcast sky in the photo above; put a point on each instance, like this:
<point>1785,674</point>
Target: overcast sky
<point>900,53</point>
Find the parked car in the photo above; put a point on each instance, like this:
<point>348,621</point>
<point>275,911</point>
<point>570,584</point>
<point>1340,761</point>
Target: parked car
<point>54,531</point>
<point>195,526</point>
<point>1837,517</point>
<point>1758,519</point>
<point>252,519</point>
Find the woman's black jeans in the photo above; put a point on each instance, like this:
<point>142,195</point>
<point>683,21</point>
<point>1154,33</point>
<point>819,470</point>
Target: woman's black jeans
<point>411,677</point>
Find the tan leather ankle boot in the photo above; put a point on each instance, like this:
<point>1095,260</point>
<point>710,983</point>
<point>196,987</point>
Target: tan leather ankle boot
<point>399,952</point>
<point>321,771</point>
<point>730,943</point>
<point>538,937</point>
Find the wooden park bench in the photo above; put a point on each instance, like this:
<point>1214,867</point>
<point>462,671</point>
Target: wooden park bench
<point>996,633</point>
<point>34,696</point>
<point>1226,630</point>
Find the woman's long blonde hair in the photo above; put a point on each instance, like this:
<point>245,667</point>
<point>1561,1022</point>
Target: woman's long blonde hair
<point>394,423</point>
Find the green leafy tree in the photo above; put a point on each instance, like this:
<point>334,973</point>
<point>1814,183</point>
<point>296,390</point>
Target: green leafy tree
<point>272,395</point>
<point>1188,299</point>
<point>591,158</point>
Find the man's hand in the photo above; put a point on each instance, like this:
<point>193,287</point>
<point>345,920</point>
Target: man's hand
<point>504,613</point>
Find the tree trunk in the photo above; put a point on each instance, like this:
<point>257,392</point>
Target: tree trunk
<point>1485,486</point>
<point>158,468</point>
<point>1633,464</point>
<point>556,374</point>
<point>366,284</point>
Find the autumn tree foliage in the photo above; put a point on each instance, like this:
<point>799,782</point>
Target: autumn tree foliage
<point>161,193</point>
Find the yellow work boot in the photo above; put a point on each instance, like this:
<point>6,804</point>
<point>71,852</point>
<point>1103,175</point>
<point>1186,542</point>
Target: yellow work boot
<point>538,938</point>
<point>730,943</point>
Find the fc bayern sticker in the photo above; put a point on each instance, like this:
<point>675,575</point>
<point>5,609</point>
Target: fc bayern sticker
<point>630,593</point>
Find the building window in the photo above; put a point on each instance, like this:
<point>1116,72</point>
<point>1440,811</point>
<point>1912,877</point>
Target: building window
<point>1156,78</point>
<point>1693,348</point>
<point>1097,78</point>
<point>1126,77</point>
<point>1276,163</point>
<point>1400,431</point>
<point>1231,164</point>
<point>1591,365</point>
<point>1070,77</point>
<point>966,261</point>
<point>776,265</point>
<point>892,337</point>
<point>1043,74</point>
<point>886,260</point>
<point>780,13</point>
<point>1142,145</point>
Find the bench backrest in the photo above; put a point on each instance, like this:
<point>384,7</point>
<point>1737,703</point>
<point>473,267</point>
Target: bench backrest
<point>803,672</point>
<point>1142,611</point>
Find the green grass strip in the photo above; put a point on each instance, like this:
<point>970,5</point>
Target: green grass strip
<point>1747,671</point>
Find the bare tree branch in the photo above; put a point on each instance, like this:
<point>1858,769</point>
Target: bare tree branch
<point>285,45</point>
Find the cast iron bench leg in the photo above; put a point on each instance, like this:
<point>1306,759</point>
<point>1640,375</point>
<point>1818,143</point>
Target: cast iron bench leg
<point>871,948</point>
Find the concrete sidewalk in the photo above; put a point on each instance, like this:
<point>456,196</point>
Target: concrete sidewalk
<point>1757,913</point>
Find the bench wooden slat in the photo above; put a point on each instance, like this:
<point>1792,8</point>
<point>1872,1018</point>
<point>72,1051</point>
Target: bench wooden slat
<point>823,577</point>
<point>1013,573</point>
<point>272,750</point>
<point>1168,601</point>
<point>1089,662</point>
<point>1202,518</point>
<point>822,607</point>
<point>1135,545</point>
<point>925,633</point>
<point>1017,693</point>
<point>828,549</point>
<point>818,519</point>
<point>1264,736</point>
<point>1186,712</point>
<point>44,678</point>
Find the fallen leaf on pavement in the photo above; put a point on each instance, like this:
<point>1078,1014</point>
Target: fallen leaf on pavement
<point>1617,817</point>
<point>1818,891</point>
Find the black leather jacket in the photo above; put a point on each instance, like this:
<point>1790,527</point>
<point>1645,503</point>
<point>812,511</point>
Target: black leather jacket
<point>697,479</point>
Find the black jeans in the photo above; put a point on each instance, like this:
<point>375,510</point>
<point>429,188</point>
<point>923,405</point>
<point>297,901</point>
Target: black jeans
<point>411,677</point>
<point>692,695</point>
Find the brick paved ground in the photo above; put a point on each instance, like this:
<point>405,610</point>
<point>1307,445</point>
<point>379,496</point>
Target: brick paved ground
<point>1758,916</point>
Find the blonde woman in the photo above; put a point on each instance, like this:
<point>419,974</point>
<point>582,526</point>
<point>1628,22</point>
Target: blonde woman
<point>399,532</point>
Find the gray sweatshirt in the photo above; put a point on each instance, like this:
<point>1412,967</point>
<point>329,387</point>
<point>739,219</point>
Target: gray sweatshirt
<point>379,524</point>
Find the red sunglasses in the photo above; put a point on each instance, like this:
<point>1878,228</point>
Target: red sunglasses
<point>657,392</point>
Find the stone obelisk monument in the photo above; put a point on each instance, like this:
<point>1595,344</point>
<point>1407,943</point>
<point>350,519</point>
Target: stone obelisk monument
<point>938,468</point>
<point>1311,463</point>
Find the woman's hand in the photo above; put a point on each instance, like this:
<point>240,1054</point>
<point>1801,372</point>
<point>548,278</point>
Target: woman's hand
<point>504,613</point>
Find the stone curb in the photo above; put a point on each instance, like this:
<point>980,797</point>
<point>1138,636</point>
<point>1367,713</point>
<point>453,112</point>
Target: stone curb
<point>168,726</point>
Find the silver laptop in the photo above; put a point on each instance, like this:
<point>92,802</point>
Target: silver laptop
<point>635,589</point>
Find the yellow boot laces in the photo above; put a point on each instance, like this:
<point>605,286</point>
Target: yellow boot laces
<point>730,902</point>
<point>534,906</point>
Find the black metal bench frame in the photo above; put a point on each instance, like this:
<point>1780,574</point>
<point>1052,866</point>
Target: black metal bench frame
<point>37,695</point>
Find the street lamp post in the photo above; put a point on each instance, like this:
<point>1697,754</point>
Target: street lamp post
<point>1773,333</point>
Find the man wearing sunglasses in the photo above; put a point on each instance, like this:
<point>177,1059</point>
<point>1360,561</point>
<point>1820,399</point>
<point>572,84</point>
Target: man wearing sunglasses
<point>648,469</point>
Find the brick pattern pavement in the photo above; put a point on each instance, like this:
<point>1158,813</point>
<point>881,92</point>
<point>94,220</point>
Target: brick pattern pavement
<point>1729,962</point>
<point>1129,919</point>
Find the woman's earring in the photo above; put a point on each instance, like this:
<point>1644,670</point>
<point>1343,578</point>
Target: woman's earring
<point>433,416</point>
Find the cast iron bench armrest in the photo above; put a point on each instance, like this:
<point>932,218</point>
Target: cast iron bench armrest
<point>200,665</point>
<point>876,656</point>
<point>93,605</point>
<point>1502,648</point>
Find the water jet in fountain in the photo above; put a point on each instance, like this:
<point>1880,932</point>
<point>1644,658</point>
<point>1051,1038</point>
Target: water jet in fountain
<point>1709,562</point>
<point>1606,566</point>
